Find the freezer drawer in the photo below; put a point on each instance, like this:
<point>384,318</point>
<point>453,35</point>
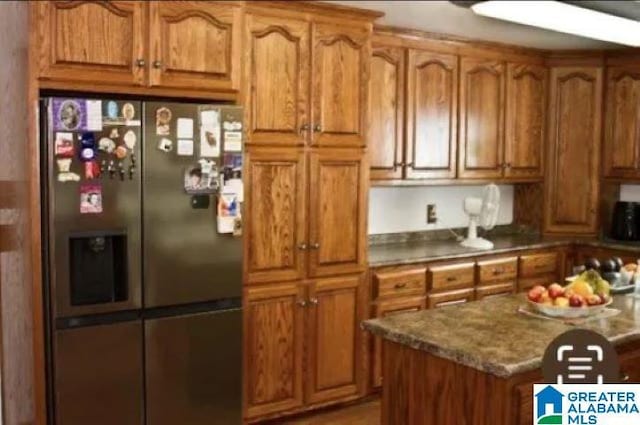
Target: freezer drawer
<point>194,369</point>
<point>99,375</point>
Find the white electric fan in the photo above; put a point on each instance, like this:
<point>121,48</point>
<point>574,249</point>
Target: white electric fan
<point>484,212</point>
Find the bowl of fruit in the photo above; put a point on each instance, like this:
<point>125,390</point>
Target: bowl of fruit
<point>587,295</point>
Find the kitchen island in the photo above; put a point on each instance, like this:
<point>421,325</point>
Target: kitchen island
<point>476,363</point>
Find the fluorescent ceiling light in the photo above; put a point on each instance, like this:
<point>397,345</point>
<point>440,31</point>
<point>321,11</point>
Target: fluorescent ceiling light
<point>563,17</point>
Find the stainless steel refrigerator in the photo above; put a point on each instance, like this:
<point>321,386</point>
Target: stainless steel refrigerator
<point>143,261</point>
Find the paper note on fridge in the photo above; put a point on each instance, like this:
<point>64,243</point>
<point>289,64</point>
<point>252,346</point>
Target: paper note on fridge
<point>185,128</point>
<point>210,133</point>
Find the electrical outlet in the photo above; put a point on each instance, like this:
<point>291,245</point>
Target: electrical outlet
<point>432,216</point>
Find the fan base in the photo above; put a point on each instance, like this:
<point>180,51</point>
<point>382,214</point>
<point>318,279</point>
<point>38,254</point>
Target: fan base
<point>477,243</point>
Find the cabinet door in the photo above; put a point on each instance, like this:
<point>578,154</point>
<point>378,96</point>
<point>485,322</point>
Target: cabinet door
<point>386,123</point>
<point>275,234</point>
<point>432,110</point>
<point>574,150</point>
<point>92,41</point>
<point>384,309</point>
<point>621,153</point>
<point>340,82</point>
<point>445,299</point>
<point>481,118</point>
<point>273,344</point>
<point>276,78</point>
<point>195,45</point>
<point>337,208</point>
<point>334,339</point>
<point>525,120</point>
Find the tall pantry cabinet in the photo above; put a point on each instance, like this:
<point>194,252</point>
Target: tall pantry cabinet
<point>305,88</point>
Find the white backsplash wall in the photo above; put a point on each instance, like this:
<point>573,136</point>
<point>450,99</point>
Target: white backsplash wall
<point>630,192</point>
<point>404,209</point>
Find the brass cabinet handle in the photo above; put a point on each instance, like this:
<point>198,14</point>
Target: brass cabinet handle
<point>400,285</point>
<point>625,378</point>
<point>157,64</point>
<point>508,165</point>
<point>141,63</point>
<point>452,279</point>
<point>302,303</point>
<point>303,128</point>
<point>498,271</point>
<point>315,245</point>
<point>313,301</point>
<point>302,246</point>
<point>317,128</point>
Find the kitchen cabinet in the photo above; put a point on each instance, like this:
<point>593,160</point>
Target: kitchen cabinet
<point>399,282</point>
<point>621,150</point>
<point>444,299</point>
<point>525,119</point>
<point>273,344</point>
<point>386,103</point>
<point>432,109</point>
<point>337,211</point>
<point>195,44</point>
<point>275,229</point>
<point>572,179</point>
<point>444,277</point>
<point>387,308</point>
<point>495,290</point>
<point>150,44</point>
<point>92,41</point>
<point>482,98</point>
<point>334,338</point>
<point>494,270</point>
<point>276,79</point>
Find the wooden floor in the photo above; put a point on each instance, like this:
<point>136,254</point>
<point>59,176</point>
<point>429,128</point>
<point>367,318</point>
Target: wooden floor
<point>360,414</point>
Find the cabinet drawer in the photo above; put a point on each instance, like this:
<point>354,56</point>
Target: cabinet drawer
<point>497,290</point>
<point>451,276</point>
<point>450,298</point>
<point>544,280</point>
<point>497,269</point>
<point>630,367</point>
<point>537,264</point>
<point>400,282</point>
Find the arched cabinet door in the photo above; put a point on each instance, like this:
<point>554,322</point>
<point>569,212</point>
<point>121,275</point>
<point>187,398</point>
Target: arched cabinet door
<point>82,41</point>
<point>276,80</point>
<point>195,44</point>
<point>340,82</point>
<point>481,118</point>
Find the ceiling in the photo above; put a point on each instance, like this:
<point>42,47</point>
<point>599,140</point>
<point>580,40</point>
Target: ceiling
<point>447,18</point>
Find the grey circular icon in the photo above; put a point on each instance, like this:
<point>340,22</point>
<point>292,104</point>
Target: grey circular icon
<point>580,356</point>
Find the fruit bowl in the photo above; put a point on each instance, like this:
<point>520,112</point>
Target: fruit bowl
<point>568,312</point>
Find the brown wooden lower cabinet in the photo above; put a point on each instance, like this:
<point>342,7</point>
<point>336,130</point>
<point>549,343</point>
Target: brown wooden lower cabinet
<point>312,323</point>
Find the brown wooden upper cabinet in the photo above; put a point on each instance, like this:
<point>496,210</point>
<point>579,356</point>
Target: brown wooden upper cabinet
<point>525,120</point>
<point>572,185</point>
<point>621,150</point>
<point>141,43</point>
<point>289,59</point>
<point>482,99</point>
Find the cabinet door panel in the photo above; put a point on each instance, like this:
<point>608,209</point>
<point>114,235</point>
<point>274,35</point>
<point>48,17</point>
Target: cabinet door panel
<point>92,41</point>
<point>574,151</point>
<point>340,83</point>
<point>334,343</point>
<point>386,92</point>
<point>525,120</point>
<point>275,229</point>
<point>276,80</point>
<point>338,202</point>
<point>432,115</point>
<point>195,44</point>
<point>481,118</point>
<point>273,326</point>
<point>621,153</point>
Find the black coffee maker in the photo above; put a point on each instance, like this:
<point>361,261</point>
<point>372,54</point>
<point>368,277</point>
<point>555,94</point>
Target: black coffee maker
<point>625,225</point>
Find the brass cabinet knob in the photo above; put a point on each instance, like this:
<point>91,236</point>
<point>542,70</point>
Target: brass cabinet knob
<point>302,303</point>
<point>317,128</point>
<point>140,63</point>
<point>302,246</point>
<point>157,64</point>
<point>315,245</point>
<point>313,301</point>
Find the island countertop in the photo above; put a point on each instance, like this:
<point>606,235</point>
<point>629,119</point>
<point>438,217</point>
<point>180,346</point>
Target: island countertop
<point>492,336</point>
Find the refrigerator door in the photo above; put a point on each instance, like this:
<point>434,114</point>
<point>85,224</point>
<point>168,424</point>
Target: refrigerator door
<point>194,369</point>
<point>98,375</point>
<point>93,223</point>
<point>186,259</point>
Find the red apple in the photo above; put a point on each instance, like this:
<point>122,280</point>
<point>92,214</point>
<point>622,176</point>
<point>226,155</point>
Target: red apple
<point>545,298</point>
<point>605,298</point>
<point>535,293</point>
<point>594,299</point>
<point>555,290</point>
<point>576,300</point>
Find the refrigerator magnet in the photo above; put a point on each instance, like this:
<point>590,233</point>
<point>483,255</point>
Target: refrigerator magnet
<point>64,145</point>
<point>185,128</point>
<point>130,139</point>
<point>121,152</point>
<point>112,110</point>
<point>233,141</point>
<point>185,147</point>
<point>165,145</point>
<point>87,154</point>
<point>91,170</point>
<point>68,114</point>
<point>201,180</point>
<point>94,115</point>
<point>128,111</point>
<point>114,134</point>
<point>163,119</point>
<point>90,199</point>
<point>210,133</point>
<point>88,140</point>
<point>107,145</point>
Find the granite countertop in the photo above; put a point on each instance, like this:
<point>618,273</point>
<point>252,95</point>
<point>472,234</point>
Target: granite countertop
<point>491,336</point>
<point>421,251</point>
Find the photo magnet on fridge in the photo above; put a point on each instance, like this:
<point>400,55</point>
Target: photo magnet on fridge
<point>64,145</point>
<point>165,145</point>
<point>163,120</point>
<point>210,133</point>
<point>90,199</point>
<point>201,178</point>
